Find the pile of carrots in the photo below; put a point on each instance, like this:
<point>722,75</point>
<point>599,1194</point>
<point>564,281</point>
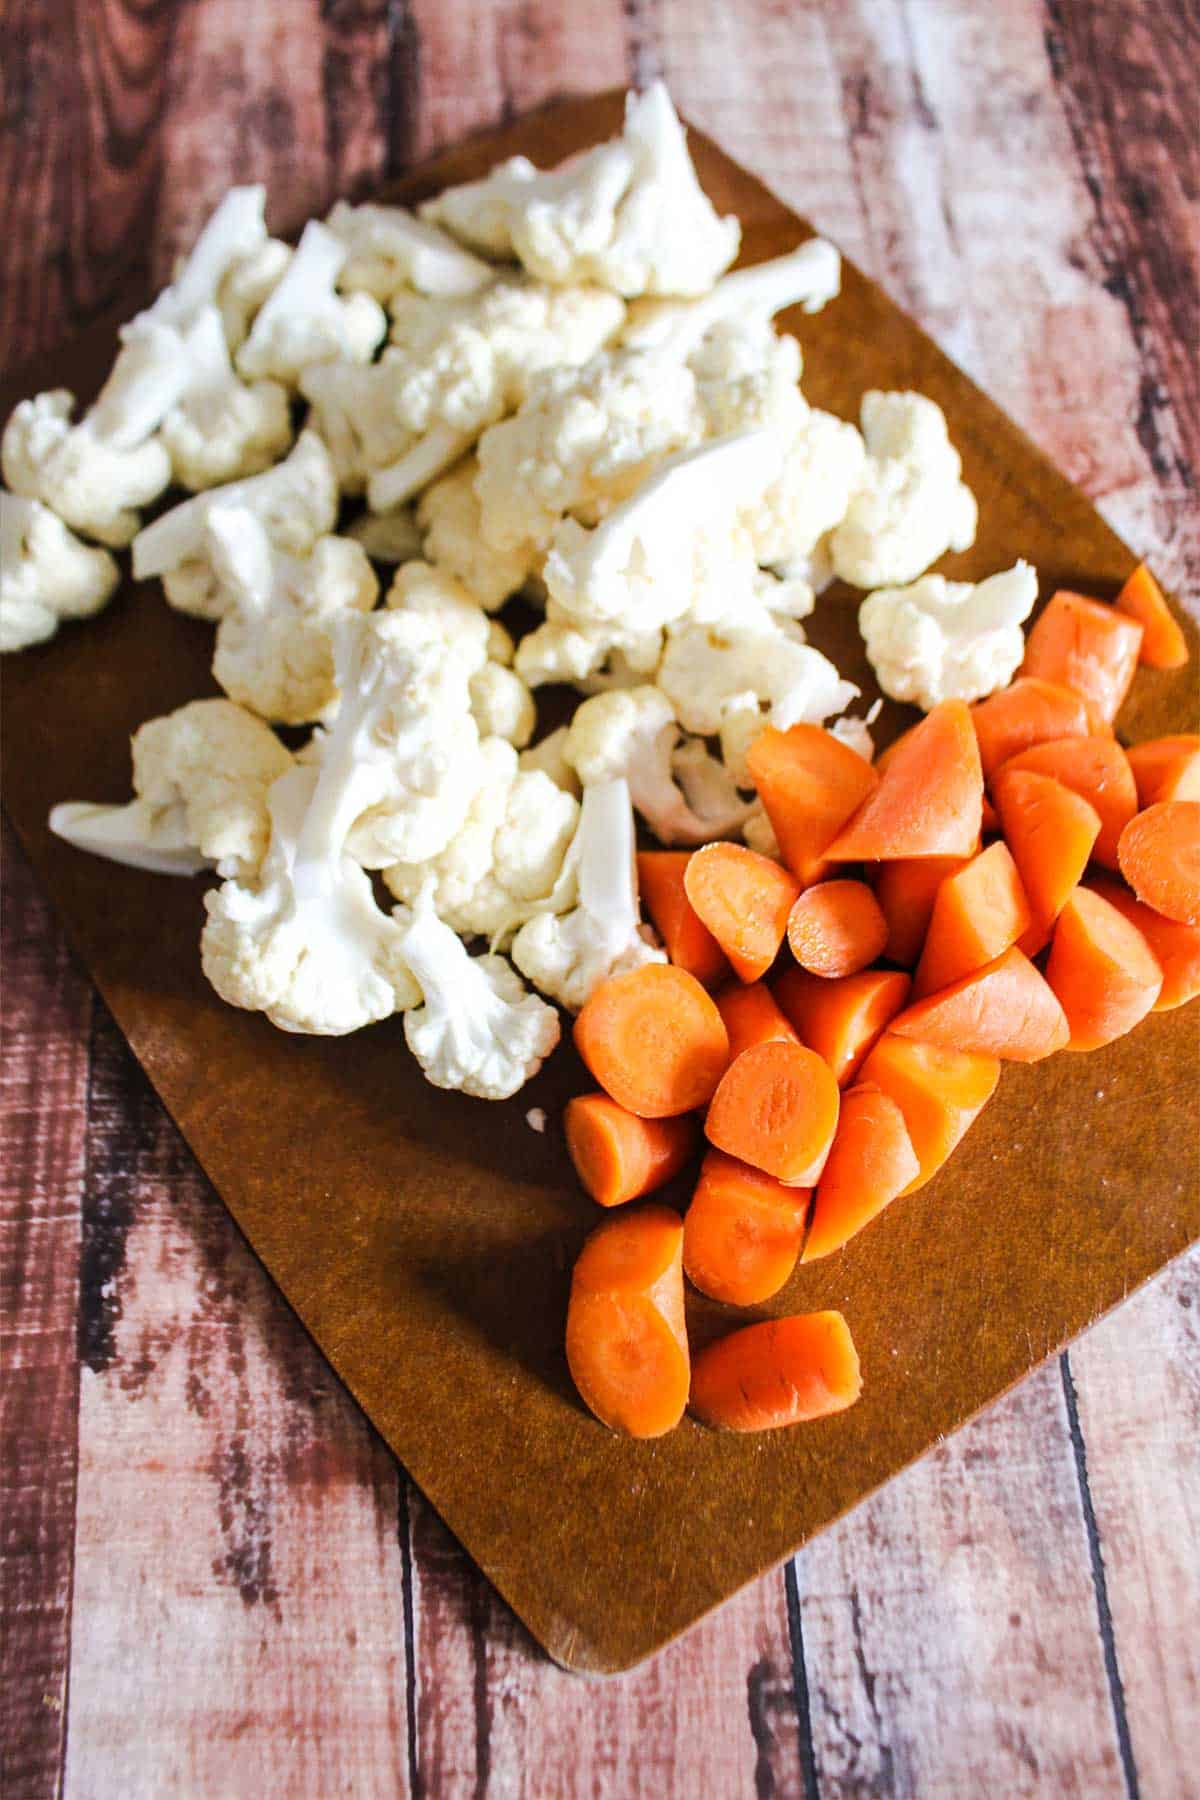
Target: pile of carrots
<point>1027,885</point>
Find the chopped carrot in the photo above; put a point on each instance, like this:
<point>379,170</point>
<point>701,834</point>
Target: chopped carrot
<point>1166,768</point>
<point>1159,856</point>
<point>742,1232</point>
<point>1029,712</point>
<point>977,914</point>
<point>618,1156</point>
<point>1176,947</point>
<point>752,1016</point>
<point>688,941</point>
<point>627,1346</point>
<point>654,1040</point>
<point>1096,768</point>
<point>929,801</point>
<point>809,783</point>
<point>779,1372</point>
<point>872,1161</point>
<point>906,891</point>
<point>1104,972</point>
<point>836,928</point>
<point>1005,1009</point>
<point>940,1092</point>
<point>1050,831</point>
<point>841,1020</point>
<point>990,823</point>
<point>1088,647</point>
<point>744,899</point>
<point>1163,643</point>
<point>776,1109</point>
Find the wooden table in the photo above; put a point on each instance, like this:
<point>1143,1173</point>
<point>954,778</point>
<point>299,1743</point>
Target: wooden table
<point>219,1582</point>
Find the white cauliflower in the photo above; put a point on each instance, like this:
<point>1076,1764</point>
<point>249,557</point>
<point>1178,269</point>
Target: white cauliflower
<point>548,757</point>
<point>821,473</point>
<point>948,640</point>
<point>502,705</point>
<point>94,487</point>
<point>234,238</point>
<point>477,1028</point>
<point>248,285</point>
<point>450,520</point>
<point>46,574</point>
<point>387,537</point>
<point>912,506</point>
<point>808,277</point>
<point>200,781</point>
<point>758,833</point>
<point>223,429</point>
<point>592,657</point>
<point>388,249</point>
<point>303,320</point>
<point>421,589</point>
<point>355,410</point>
<point>566,955</point>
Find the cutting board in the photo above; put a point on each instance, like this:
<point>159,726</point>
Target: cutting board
<point>425,1240</point>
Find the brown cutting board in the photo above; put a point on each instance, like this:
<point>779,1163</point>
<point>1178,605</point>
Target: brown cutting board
<point>425,1239</point>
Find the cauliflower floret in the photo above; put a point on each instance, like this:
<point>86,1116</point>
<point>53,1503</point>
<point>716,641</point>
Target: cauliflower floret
<point>822,469</point>
<point>449,516</point>
<point>93,486</point>
<point>948,640</point>
<point>355,411</point>
<point>233,240</point>
<point>388,537</point>
<point>222,429</point>
<point>46,574</point>
<point>444,603</point>
<point>388,249</point>
<point>477,1028</point>
<point>758,833</point>
<point>912,506</point>
<point>807,277</point>
<point>304,321</point>
<point>502,705</point>
<point>592,657</point>
<point>200,781</point>
<point>248,285</point>
<point>548,756</point>
<point>567,955</point>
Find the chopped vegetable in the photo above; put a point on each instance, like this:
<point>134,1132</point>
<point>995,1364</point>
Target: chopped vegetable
<point>912,505</point>
<point>1166,768</point>
<point>627,1346</point>
<point>906,891</point>
<point>940,640</point>
<point>871,1161</point>
<point>1159,856</point>
<point>929,801</point>
<point>776,1108</point>
<point>752,1016</point>
<point>780,1372</point>
<point>744,899</point>
<point>1029,712</point>
<point>689,943</point>
<point>1176,947</point>
<point>1163,643</point>
<point>810,785</point>
<point>1050,831</point>
<point>1098,770</point>
<point>841,1020</point>
<point>742,1232</point>
<point>1088,647</point>
<point>618,1156</point>
<point>836,928</point>
<point>941,1093</point>
<point>654,1040</point>
<point>1005,1009</point>
<point>1102,969</point>
<point>978,913</point>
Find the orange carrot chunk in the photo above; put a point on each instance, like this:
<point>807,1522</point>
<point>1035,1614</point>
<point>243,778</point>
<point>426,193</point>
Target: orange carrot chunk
<point>1005,1009</point>
<point>1102,969</point>
<point>990,823</point>
<point>842,1019</point>
<point>977,914</point>
<point>627,1344</point>
<point>618,1156</point>
<point>743,1231</point>
<point>688,941</point>
<point>654,1040</point>
<point>1159,855</point>
<point>1163,643</point>
<point>1050,831</point>
<point>929,801</point>
<point>871,1162</point>
<point>744,899</point>
<point>1029,712</point>
<point>1097,769</point>
<point>780,1372</point>
<point>940,1092</point>
<point>906,891</point>
<point>836,928</point>
<point>809,783</point>
<point>1088,647</point>
<point>752,1016</point>
<point>1166,768</point>
<point>1176,947</point>
<point>776,1109</point>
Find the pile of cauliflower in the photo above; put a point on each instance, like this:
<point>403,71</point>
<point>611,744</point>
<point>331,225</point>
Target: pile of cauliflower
<point>545,386</point>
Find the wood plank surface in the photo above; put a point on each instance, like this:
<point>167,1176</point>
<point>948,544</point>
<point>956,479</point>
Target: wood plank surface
<point>256,1604</point>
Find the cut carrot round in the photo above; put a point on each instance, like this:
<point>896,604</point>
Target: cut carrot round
<point>929,801</point>
<point>776,1109</point>
<point>752,1016</point>
<point>1050,831</point>
<point>872,1161</point>
<point>777,1373</point>
<point>654,1040</point>
<point>1098,770</point>
<point>1029,712</point>
<point>619,1157</point>
<point>742,1232</point>
<point>1102,969</point>
<point>1176,947</point>
<point>1163,643</point>
<point>1005,1009</point>
<point>836,928</point>
<point>940,1092</point>
<point>841,1020</point>
<point>906,891</point>
<point>627,1344</point>
<point>977,914</point>
<point>1159,856</point>
<point>744,899</point>
<point>1088,647</point>
<point>809,783</point>
<point>1166,768</point>
<point>687,940</point>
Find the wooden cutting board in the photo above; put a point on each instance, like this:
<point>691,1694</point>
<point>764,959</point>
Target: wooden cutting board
<point>425,1240</point>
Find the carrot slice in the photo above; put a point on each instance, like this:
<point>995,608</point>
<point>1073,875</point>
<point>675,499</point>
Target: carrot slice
<point>1176,947</point>
<point>744,899</point>
<point>1166,768</point>
<point>742,1232</point>
<point>842,1019</point>
<point>1159,856</point>
<point>1163,643</point>
<point>1102,969</point>
<point>836,928</point>
<point>1050,831</point>
<point>688,941</point>
<point>1088,647</point>
<point>809,783</point>
<point>929,801</point>
<point>940,1092</point>
<point>627,1346</point>
<point>1096,768</point>
<point>1005,1009</point>
<point>776,1109</point>
<point>872,1161</point>
<point>618,1156</point>
<point>977,914</point>
<point>780,1372</point>
<point>906,891</point>
<point>752,1016</point>
<point>1029,712</point>
<point>654,1040</point>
